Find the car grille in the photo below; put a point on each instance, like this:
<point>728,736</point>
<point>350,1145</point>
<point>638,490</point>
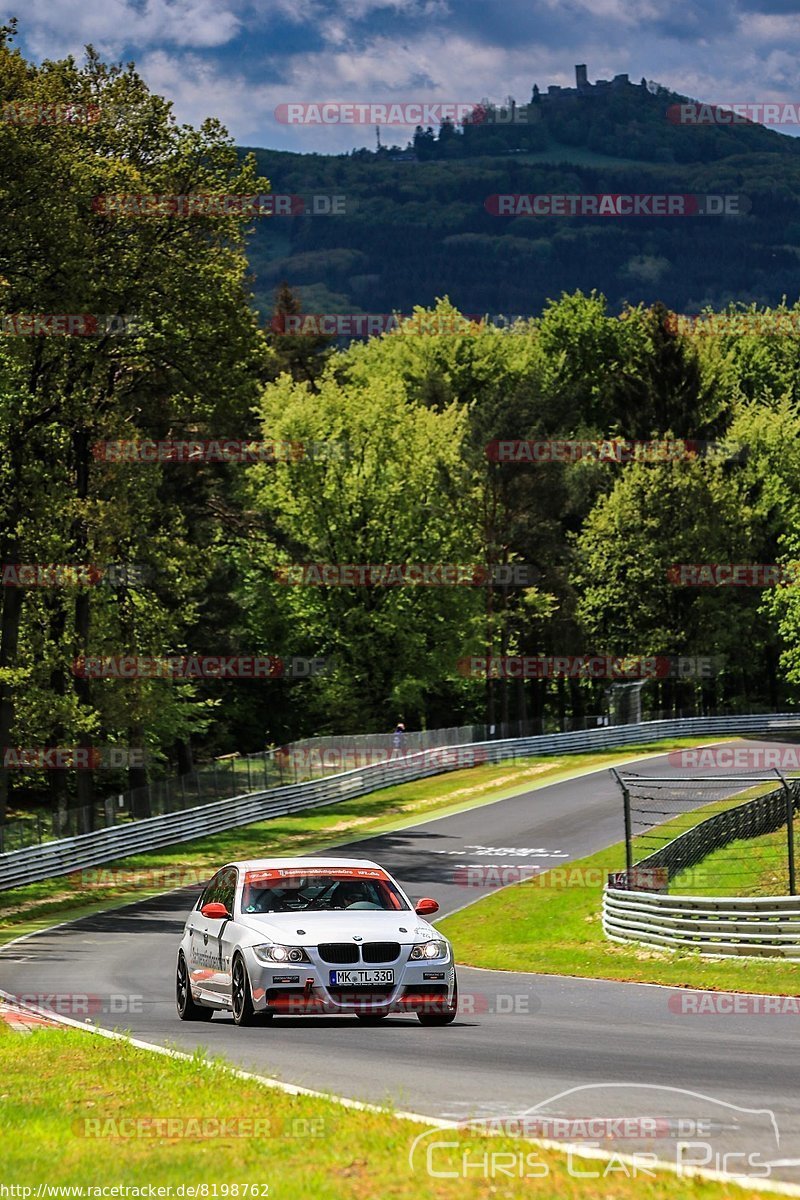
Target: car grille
<point>380,952</point>
<point>338,952</point>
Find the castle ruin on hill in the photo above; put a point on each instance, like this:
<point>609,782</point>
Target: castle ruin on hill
<point>584,88</point>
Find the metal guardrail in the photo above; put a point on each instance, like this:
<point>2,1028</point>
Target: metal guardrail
<point>86,850</point>
<point>767,926</point>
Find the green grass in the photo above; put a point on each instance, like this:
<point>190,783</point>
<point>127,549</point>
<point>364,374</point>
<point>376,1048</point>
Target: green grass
<point>747,867</point>
<point>25,909</point>
<point>552,924</point>
<point>66,1096</point>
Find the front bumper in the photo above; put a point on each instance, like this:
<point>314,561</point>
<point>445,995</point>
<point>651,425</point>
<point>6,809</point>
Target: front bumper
<point>304,989</point>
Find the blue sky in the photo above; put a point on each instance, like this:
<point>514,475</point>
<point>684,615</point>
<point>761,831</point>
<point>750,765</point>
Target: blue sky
<point>239,59</point>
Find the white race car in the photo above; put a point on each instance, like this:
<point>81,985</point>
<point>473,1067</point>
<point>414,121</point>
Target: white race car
<point>312,935</point>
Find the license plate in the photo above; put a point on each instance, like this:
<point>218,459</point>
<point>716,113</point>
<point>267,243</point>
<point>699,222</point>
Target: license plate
<point>360,978</point>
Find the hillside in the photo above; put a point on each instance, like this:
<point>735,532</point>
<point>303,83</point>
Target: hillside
<point>416,226</point>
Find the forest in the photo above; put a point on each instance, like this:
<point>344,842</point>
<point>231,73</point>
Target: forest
<point>184,484</point>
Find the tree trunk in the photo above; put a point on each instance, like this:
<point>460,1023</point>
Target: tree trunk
<point>84,782</point>
<point>9,645</point>
<point>137,777</point>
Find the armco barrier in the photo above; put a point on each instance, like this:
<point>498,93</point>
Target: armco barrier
<point>105,845</point>
<point>768,926</point>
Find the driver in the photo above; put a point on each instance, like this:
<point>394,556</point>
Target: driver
<point>350,892</point>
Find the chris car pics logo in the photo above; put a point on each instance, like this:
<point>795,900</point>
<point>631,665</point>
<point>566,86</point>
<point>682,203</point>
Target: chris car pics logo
<point>606,1131</point>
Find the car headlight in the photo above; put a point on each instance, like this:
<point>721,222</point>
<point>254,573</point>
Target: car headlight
<point>429,950</point>
<point>274,953</point>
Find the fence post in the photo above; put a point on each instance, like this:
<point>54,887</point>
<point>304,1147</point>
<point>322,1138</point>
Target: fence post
<point>789,830</point>
<point>626,804</point>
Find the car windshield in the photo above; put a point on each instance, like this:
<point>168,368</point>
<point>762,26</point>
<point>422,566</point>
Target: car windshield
<point>318,892</point>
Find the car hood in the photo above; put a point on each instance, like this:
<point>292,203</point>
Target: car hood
<point>339,927</point>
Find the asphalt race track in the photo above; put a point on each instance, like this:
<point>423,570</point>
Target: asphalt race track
<point>528,1039</point>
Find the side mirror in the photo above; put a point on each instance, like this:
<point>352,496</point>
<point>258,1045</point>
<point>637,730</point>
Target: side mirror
<point>216,912</point>
<point>426,907</point>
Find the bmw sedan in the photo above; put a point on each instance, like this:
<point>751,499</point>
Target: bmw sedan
<point>304,936</point>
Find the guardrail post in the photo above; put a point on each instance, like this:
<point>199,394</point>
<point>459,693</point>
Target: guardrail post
<point>789,831</point>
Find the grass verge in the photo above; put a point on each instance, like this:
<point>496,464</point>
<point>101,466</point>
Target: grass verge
<point>80,1110</point>
<point>748,867</point>
<point>67,897</point>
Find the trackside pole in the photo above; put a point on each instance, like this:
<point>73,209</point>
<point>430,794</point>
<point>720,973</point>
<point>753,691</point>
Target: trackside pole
<point>626,804</point>
<point>789,830</point>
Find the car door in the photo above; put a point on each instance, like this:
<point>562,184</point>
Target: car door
<point>228,933</point>
<point>204,944</point>
<point>212,930</point>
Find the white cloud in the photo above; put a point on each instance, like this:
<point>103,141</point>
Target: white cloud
<point>383,70</point>
<point>769,27</point>
<point>53,30</point>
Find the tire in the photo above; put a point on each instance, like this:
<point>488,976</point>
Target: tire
<point>442,1018</point>
<point>241,996</point>
<point>188,1009</point>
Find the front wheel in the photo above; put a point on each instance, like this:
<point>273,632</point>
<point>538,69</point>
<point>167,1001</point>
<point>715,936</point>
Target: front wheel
<point>241,996</point>
<point>448,1014</point>
<point>188,1010</point>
